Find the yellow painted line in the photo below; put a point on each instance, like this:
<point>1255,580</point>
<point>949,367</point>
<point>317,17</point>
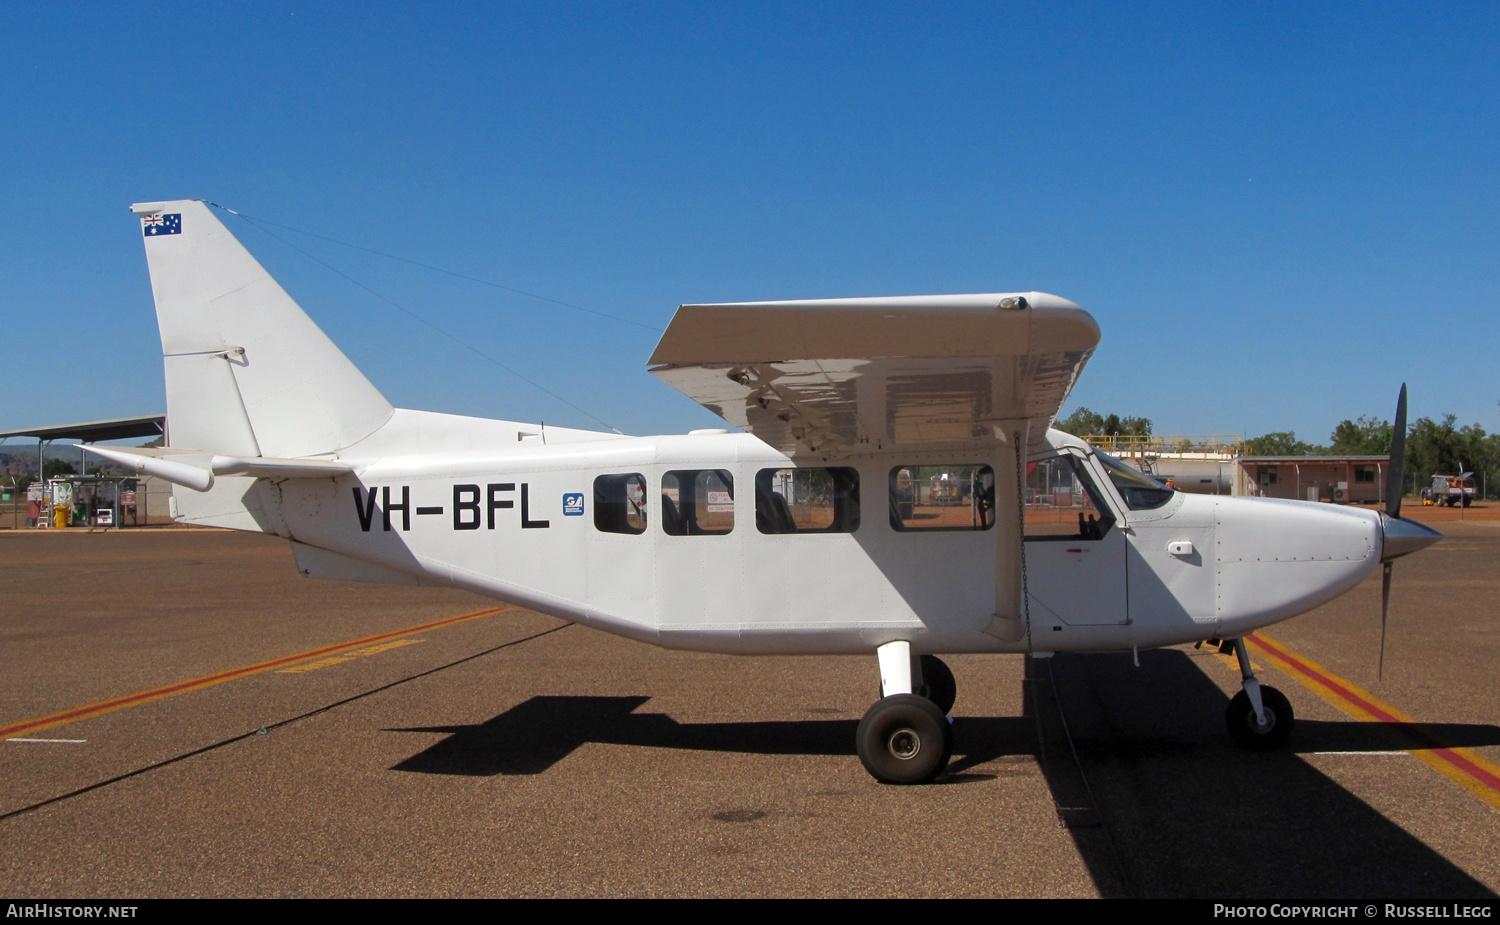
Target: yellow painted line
<point>314,666</point>
<point>340,659</point>
<point>182,687</point>
<point>386,647</point>
<point>1463,766</point>
<point>1232,661</point>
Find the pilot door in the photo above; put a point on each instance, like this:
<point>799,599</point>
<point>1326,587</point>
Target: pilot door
<point>1075,549</point>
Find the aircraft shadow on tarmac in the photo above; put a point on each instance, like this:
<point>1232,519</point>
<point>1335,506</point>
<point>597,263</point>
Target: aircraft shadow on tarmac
<point>1354,736</point>
<point>1186,813</point>
<point>548,729</point>
<point>1165,804</point>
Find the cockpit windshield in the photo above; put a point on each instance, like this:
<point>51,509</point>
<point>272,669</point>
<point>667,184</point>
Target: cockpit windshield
<point>1140,491</point>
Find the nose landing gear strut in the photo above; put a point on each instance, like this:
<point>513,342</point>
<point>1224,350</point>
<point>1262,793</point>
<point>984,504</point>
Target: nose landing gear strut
<point>1259,718</point>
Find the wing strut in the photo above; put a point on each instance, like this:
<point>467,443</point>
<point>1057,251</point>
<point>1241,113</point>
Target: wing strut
<point>1021,526</point>
<point>1010,620</point>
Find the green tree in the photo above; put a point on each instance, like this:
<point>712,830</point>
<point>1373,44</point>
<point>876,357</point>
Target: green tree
<point>1136,427</point>
<point>1086,423</point>
<point>55,467</point>
<point>1442,448</point>
<point>1082,422</point>
<point>1280,443</point>
<point>1365,437</point>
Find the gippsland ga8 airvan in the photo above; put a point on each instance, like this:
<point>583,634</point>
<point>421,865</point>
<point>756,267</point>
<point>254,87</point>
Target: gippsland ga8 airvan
<point>893,489</point>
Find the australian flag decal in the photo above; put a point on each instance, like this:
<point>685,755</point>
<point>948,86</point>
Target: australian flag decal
<point>162,224</point>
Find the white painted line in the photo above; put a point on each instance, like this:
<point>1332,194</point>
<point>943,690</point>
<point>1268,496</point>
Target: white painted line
<point>53,741</point>
<point>1362,753</point>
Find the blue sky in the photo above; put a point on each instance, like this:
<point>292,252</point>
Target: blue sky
<point>1277,212</point>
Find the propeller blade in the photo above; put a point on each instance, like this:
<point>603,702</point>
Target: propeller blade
<point>1395,482</point>
<point>1385,609</point>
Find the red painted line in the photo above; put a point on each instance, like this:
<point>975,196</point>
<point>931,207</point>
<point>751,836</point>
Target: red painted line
<point>1426,742</point>
<point>182,687</point>
<point>1488,778</point>
<point>1333,683</point>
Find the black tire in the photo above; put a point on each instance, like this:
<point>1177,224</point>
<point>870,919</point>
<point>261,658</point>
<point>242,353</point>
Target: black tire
<point>1249,734</point>
<point>904,739</point>
<point>938,683</point>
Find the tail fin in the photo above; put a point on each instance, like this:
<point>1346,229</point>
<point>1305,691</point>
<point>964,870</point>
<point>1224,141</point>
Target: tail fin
<point>248,373</point>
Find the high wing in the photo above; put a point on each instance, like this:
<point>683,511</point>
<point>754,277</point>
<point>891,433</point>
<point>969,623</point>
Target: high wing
<point>853,376</point>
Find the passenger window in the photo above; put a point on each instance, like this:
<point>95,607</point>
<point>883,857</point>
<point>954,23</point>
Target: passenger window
<point>620,503</point>
<point>697,502</point>
<point>942,498</point>
<point>811,500</point>
<point>1062,503</point>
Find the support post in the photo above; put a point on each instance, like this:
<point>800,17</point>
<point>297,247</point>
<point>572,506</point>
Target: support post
<point>1008,624</point>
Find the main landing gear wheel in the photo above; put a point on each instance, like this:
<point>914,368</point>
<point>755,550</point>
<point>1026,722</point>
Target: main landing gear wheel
<point>1247,733</point>
<point>938,684</point>
<point>904,739</point>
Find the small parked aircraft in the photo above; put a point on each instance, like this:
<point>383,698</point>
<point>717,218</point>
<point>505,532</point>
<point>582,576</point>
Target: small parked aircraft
<point>897,491</point>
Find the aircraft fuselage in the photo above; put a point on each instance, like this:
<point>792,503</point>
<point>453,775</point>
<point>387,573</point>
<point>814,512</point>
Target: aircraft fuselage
<point>521,524</point>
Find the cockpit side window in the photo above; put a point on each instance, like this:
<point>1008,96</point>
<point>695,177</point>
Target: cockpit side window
<point>1062,502</point>
<point>1140,491</point>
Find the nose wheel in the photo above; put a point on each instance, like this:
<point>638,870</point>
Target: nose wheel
<point>1255,734</point>
<point>1259,718</point>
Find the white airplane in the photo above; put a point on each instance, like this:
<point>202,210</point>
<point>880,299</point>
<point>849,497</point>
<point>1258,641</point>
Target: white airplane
<point>833,544</point>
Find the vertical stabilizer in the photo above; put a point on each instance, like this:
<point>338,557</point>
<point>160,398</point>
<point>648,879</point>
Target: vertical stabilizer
<point>248,373</point>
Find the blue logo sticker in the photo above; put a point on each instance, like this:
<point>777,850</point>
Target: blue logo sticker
<point>573,505</point>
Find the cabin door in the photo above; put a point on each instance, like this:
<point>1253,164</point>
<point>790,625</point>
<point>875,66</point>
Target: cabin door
<point>1075,549</point>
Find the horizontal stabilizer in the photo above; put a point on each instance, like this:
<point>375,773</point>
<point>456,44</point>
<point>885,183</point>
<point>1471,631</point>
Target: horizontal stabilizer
<point>266,468</point>
<point>177,471</point>
<point>196,470</point>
